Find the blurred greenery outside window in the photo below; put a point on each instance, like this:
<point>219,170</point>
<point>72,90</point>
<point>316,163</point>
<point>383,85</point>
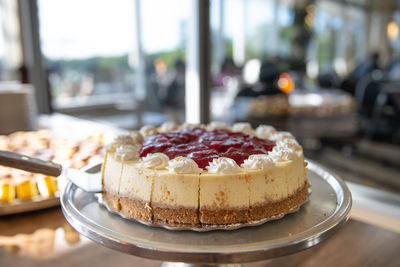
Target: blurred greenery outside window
<point>95,61</point>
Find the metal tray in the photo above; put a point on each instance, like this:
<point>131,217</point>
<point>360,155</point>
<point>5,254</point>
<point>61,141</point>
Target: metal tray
<point>38,202</point>
<point>326,211</point>
<point>35,203</point>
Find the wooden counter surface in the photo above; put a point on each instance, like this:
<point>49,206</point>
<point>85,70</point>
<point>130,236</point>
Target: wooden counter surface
<point>356,244</point>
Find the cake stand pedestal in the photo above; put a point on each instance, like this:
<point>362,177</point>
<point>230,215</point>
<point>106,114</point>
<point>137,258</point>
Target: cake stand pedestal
<point>326,211</point>
<point>181,264</point>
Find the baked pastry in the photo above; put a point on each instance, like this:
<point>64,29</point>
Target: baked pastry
<point>74,153</point>
<point>208,175</point>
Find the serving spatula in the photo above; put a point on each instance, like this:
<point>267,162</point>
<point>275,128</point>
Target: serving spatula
<point>90,182</point>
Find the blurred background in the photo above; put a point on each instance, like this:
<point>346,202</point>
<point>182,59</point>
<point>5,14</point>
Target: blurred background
<point>326,70</point>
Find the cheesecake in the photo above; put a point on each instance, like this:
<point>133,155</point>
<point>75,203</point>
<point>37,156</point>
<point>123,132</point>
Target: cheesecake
<point>204,174</point>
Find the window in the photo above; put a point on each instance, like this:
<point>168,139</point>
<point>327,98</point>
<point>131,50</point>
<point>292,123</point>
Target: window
<point>339,41</point>
<point>86,45</point>
<point>164,26</point>
<point>126,54</point>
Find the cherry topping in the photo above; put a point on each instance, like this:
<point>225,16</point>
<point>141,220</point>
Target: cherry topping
<point>203,146</point>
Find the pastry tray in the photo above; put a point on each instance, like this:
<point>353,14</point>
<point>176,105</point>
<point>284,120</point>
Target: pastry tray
<point>327,209</point>
<point>35,203</point>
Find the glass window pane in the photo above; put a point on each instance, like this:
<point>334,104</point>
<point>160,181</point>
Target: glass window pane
<point>98,56</point>
<point>164,32</point>
<point>304,40</point>
<point>86,45</point>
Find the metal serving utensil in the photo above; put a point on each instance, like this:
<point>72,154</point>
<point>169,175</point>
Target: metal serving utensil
<point>90,182</point>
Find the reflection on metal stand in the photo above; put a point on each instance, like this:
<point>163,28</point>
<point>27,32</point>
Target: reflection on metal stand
<point>181,264</point>
<point>326,212</point>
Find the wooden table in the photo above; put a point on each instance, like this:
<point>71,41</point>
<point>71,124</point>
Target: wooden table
<point>357,244</point>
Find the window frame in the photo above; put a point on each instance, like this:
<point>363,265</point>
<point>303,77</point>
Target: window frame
<point>198,62</point>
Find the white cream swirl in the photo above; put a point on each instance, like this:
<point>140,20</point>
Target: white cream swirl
<point>282,154</point>
<point>259,161</point>
<point>223,165</point>
<point>136,136</point>
<point>148,130</point>
<point>119,141</point>
<point>215,125</point>
<point>168,127</point>
<point>280,136</point>
<point>111,147</point>
<point>192,126</point>
<point>127,152</point>
<point>124,140</point>
<point>183,165</point>
<point>289,143</point>
<point>265,131</point>
<point>243,127</point>
<point>155,161</point>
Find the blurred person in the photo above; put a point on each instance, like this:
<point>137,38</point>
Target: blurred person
<point>363,69</point>
<point>174,101</point>
<point>160,66</point>
<point>228,69</point>
<point>267,84</point>
<point>367,66</point>
<point>392,70</point>
<point>157,82</point>
<point>161,71</point>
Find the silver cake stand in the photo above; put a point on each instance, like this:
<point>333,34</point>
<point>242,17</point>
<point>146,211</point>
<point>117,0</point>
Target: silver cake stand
<point>326,211</point>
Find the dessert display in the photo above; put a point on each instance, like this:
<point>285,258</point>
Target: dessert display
<point>204,175</point>
<point>21,185</point>
<point>272,105</point>
<point>319,105</point>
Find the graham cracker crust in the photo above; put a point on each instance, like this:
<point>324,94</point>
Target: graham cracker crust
<point>166,214</point>
<point>270,209</point>
<point>112,201</point>
<point>153,212</point>
<point>224,216</point>
<point>136,209</point>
